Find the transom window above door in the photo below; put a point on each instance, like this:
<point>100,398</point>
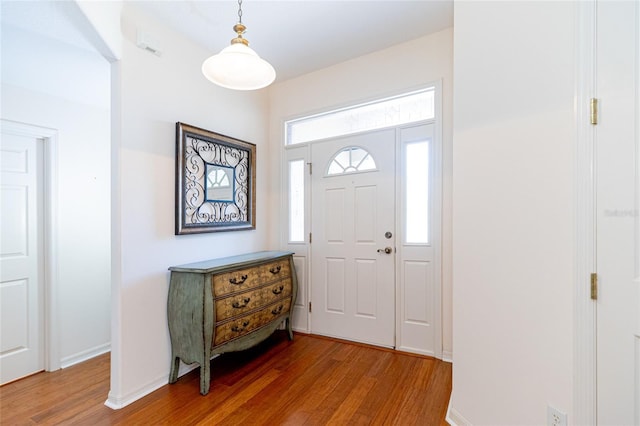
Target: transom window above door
<point>389,112</point>
<point>352,159</point>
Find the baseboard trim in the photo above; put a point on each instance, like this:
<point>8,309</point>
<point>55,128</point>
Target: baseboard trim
<point>447,356</point>
<point>85,355</point>
<point>116,403</point>
<point>454,418</point>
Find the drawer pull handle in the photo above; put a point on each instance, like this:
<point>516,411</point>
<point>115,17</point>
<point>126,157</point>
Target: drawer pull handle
<point>278,290</point>
<point>236,282</point>
<point>237,304</point>
<point>238,328</point>
<point>275,269</point>
<point>276,311</point>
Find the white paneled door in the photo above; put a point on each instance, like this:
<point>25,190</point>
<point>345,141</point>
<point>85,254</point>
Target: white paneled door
<point>21,256</point>
<point>618,222</point>
<point>353,247</point>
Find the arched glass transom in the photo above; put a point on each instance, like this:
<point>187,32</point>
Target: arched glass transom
<point>351,160</point>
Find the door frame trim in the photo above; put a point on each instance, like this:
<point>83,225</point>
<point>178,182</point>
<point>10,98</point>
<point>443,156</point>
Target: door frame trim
<point>51,348</point>
<point>303,249</point>
<point>584,356</point>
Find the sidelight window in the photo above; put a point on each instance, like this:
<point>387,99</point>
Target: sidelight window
<point>296,201</point>
<point>416,181</point>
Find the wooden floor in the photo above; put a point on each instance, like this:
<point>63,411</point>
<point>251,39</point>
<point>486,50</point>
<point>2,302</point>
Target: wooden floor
<point>310,381</point>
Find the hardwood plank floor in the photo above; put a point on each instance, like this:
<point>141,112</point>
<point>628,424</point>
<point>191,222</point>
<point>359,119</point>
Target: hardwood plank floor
<point>310,381</point>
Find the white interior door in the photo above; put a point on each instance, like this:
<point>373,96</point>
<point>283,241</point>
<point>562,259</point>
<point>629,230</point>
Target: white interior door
<point>618,194</point>
<point>353,247</point>
<point>21,257</point>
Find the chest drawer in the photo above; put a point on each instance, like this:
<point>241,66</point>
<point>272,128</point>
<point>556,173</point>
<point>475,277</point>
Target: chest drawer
<point>238,304</point>
<point>250,322</point>
<point>248,278</point>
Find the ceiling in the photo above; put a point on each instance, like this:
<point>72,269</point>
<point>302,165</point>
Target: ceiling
<point>298,37</point>
<point>45,18</point>
<point>295,36</point>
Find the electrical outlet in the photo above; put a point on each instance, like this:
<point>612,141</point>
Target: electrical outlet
<point>556,417</point>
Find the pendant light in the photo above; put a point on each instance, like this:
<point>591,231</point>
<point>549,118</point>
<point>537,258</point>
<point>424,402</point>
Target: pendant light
<point>239,67</point>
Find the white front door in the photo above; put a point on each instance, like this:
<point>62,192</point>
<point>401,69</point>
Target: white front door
<point>353,247</point>
<point>618,224</point>
<point>21,256</point>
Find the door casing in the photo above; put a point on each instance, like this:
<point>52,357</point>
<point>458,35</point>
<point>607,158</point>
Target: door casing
<point>585,247</point>
<point>302,249</point>
<point>51,327</point>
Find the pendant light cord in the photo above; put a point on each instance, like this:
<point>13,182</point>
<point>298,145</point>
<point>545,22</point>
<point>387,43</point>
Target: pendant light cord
<point>240,11</point>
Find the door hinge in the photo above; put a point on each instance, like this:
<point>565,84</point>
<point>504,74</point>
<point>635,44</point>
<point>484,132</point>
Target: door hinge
<point>309,307</point>
<point>310,168</point>
<point>310,237</point>
<point>594,286</point>
<point>593,108</point>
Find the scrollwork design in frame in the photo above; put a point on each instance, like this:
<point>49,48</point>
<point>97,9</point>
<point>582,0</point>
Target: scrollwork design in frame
<point>215,182</point>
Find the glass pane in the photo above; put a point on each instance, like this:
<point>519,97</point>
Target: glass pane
<point>219,183</point>
<point>417,192</point>
<point>367,163</point>
<point>342,158</point>
<point>335,169</point>
<point>296,201</point>
<point>357,155</point>
<point>350,160</point>
<point>403,109</point>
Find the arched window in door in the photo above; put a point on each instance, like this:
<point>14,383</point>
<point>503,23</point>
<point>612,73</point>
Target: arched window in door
<point>352,159</point>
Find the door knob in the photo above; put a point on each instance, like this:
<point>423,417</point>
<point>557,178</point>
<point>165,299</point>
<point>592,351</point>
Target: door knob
<point>385,250</point>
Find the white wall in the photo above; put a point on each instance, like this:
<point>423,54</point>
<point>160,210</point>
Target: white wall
<point>156,92</point>
<point>52,84</point>
<point>389,71</point>
<point>513,217</point>
<point>100,22</point>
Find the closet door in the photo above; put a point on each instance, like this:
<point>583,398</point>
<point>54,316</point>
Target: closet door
<point>618,193</point>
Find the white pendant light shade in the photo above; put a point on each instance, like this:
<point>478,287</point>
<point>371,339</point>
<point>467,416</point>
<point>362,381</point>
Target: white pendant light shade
<point>238,67</point>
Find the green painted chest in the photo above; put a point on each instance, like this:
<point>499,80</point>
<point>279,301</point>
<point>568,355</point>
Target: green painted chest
<point>227,305</point>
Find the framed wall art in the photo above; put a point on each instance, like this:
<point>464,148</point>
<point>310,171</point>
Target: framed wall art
<point>215,182</point>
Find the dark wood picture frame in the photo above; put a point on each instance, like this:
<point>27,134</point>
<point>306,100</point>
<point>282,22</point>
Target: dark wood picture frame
<point>215,182</point>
